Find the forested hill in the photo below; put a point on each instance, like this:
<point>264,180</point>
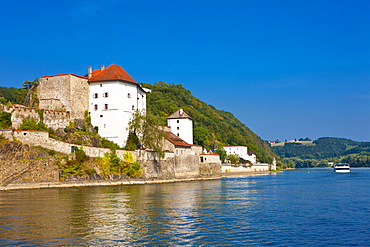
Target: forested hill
<point>212,128</point>
<point>326,149</point>
<point>322,148</point>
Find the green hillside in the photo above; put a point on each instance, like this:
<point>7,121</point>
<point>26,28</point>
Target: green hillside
<point>326,149</point>
<point>212,128</point>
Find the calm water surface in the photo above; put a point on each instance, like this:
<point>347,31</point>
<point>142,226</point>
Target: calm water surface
<point>298,207</point>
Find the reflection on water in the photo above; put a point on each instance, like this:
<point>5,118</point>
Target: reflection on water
<point>291,208</point>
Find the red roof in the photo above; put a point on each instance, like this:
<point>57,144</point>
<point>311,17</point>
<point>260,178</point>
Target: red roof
<point>177,141</point>
<point>112,73</point>
<point>179,114</point>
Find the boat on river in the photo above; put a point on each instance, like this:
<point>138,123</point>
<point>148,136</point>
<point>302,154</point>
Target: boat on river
<point>342,168</point>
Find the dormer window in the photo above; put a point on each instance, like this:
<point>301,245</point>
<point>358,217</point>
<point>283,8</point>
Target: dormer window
<point>105,95</point>
<point>95,95</point>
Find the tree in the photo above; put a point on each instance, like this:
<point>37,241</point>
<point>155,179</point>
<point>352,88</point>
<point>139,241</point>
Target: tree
<point>233,158</point>
<point>223,154</point>
<point>5,120</point>
<point>31,98</point>
<point>29,84</point>
<point>146,128</point>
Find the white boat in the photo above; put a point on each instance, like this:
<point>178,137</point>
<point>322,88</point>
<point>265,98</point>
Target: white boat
<point>342,168</point>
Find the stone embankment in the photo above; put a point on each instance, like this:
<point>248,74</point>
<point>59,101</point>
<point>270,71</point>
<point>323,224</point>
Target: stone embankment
<point>105,182</point>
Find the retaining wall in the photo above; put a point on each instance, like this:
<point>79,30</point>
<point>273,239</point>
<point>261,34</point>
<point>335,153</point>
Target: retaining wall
<point>171,166</point>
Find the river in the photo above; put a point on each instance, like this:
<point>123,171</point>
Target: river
<point>307,207</point>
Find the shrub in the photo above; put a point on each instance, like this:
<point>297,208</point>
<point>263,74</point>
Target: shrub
<point>89,171</point>
<point>5,120</point>
<point>109,144</point>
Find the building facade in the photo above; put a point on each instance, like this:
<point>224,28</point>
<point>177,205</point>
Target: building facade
<point>109,94</point>
<point>67,92</point>
<point>114,97</point>
<point>242,152</point>
<point>181,124</point>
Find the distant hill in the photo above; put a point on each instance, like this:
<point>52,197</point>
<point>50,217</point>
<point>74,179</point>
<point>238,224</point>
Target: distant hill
<point>327,149</point>
<point>212,128</point>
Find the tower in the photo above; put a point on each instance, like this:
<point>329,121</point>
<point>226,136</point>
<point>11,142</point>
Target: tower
<point>181,124</point>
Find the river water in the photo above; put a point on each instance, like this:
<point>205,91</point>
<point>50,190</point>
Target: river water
<point>300,207</point>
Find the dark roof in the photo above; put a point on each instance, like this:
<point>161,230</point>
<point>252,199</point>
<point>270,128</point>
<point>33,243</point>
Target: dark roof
<point>83,77</point>
<point>112,73</point>
<point>177,141</point>
<point>179,114</point>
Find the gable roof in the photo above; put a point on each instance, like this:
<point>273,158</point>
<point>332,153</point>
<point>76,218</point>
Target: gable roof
<point>179,114</point>
<point>111,73</point>
<point>177,141</point>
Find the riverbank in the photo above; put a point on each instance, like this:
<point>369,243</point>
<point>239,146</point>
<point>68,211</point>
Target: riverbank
<point>128,181</point>
<point>87,183</point>
<point>249,173</point>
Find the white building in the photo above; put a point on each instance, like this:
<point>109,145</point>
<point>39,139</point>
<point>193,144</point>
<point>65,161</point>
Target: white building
<point>181,124</point>
<point>242,152</point>
<point>114,96</point>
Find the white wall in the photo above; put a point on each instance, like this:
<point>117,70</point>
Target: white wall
<point>122,100</point>
<point>183,128</point>
<point>242,151</point>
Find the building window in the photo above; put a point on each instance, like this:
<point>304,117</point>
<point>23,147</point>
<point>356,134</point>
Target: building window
<point>105,95</point>
<point>129,95</point>
<point>95,95</point>
<point>101,85</point>
<point>178,121</point>
<point>106,107</point>
<point>178,128</point>
<point>95,107</point>
<point>178,134</point>
<point>133,107</point>
<point>101,115</point>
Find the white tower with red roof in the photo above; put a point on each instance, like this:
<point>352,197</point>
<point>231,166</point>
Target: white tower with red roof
<point>181,124</point>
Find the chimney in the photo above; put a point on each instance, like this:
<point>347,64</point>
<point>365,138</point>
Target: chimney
<point>89,72</point>
<point>181,111</point>
<point>102,67</point>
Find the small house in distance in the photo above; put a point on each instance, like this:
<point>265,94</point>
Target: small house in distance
<point>242,152</point>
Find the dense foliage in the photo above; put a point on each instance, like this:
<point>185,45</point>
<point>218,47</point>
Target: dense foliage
<point>12,95</point>
<point>5,120</point>
<point>324,150</point>
<point>146,128</point>
<point>23,96</point>
<point>212,128</point>
<point>111,164</point>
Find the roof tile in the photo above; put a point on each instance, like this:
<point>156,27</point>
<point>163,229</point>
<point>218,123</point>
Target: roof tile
<point>112,73</point>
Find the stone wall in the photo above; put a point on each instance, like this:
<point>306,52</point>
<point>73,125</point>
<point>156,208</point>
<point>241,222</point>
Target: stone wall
<point>185,165</point>
<point>210,165</point>
<point>52,118</point>
<point>42,170</point>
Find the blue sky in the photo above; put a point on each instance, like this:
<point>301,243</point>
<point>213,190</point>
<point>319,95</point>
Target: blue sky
<point>286,68</point>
